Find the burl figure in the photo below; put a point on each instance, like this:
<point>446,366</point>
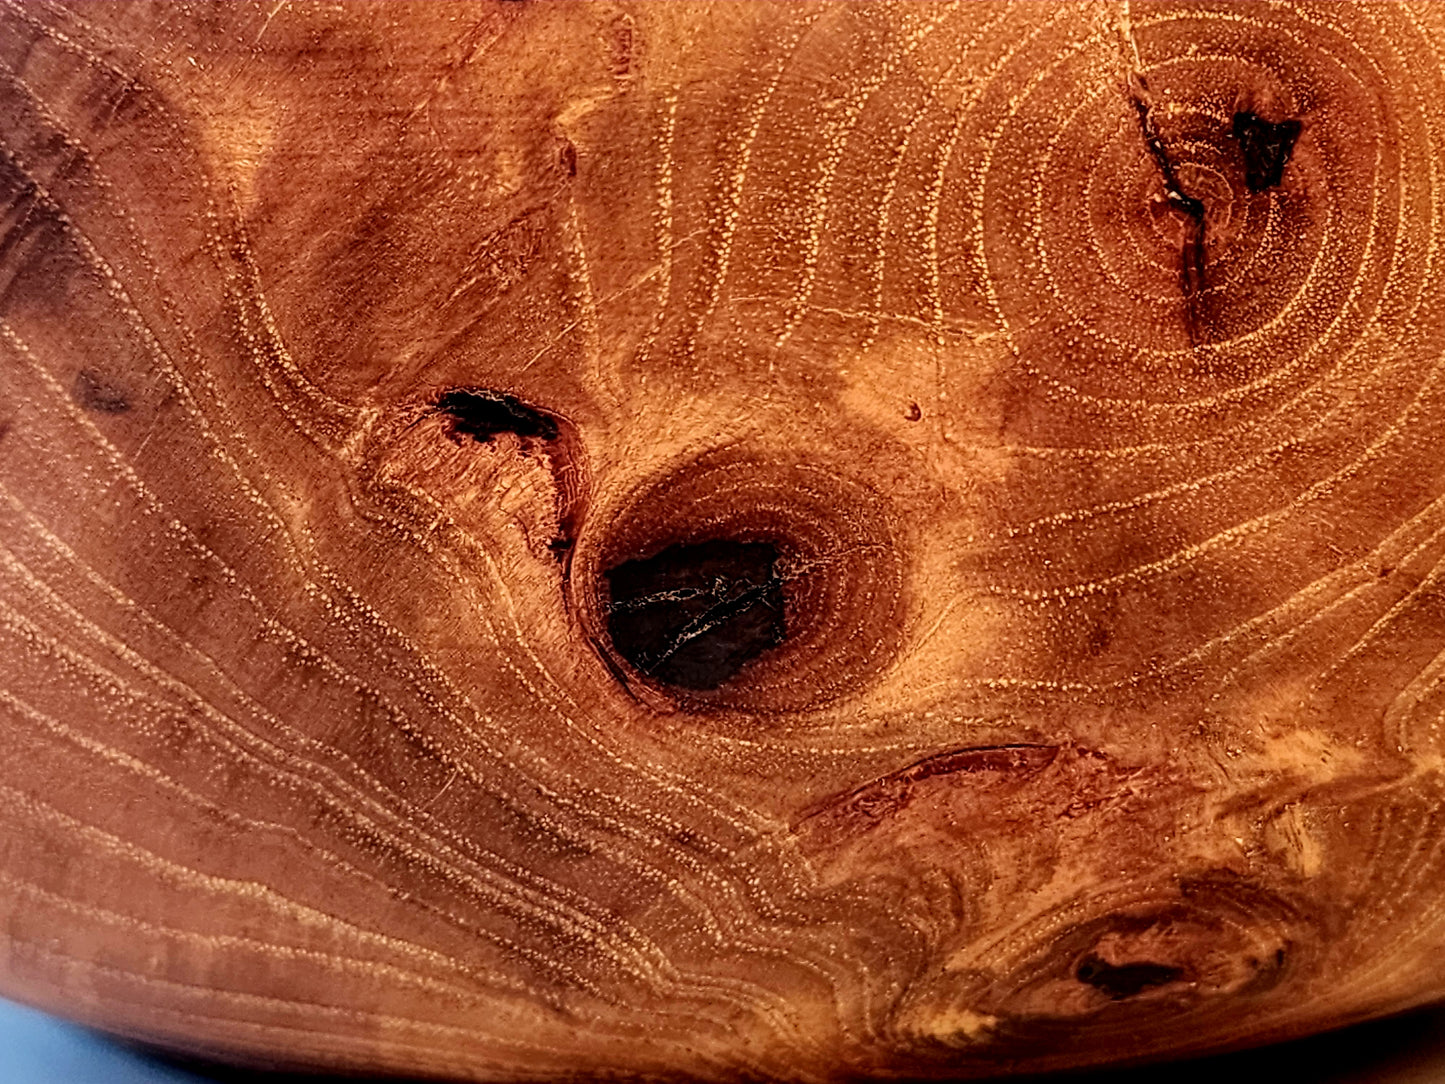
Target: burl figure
<point>789,541</point>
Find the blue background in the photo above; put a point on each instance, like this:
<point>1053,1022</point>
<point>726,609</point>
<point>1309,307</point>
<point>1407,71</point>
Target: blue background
<point>36,1049</point>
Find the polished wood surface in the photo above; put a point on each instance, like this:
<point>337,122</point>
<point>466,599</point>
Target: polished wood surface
<point>751,540</point>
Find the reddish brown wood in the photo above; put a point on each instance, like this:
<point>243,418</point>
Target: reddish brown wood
<point>1090,435</point>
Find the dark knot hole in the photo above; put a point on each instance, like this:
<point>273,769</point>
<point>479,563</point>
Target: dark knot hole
<point>695,614</point>
<point>1266,148</point>
<point>1120,981</point>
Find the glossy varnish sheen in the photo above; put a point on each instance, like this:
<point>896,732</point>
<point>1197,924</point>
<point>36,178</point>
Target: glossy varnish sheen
<point>1050,396</point>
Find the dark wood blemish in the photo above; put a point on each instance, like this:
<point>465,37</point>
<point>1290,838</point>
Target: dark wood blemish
<point>1266,148</point>
<point>1121,981</point>
<point>914,412</point>
<point>694,615</point>
<point>98,393</point>
<point>1192,254</point>
<point>1154,142</point>
<point>483,414</point>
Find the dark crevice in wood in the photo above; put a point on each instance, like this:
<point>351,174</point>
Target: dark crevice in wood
<point>1192,259</point>
<point>482,415</point>
<point>694,615</point>
<point>1120,981</point>
<point>1266,147</point>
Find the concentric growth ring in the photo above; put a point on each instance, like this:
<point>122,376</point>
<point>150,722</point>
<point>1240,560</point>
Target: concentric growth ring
<point>1089,208</point>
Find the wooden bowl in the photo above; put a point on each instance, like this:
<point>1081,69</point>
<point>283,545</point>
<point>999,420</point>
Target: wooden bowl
<point>784,541</point>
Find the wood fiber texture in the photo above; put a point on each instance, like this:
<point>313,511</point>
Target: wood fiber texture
<point>1015,433</point>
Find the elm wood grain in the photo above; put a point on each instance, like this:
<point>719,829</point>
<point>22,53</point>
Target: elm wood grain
<point>1093,436</point>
